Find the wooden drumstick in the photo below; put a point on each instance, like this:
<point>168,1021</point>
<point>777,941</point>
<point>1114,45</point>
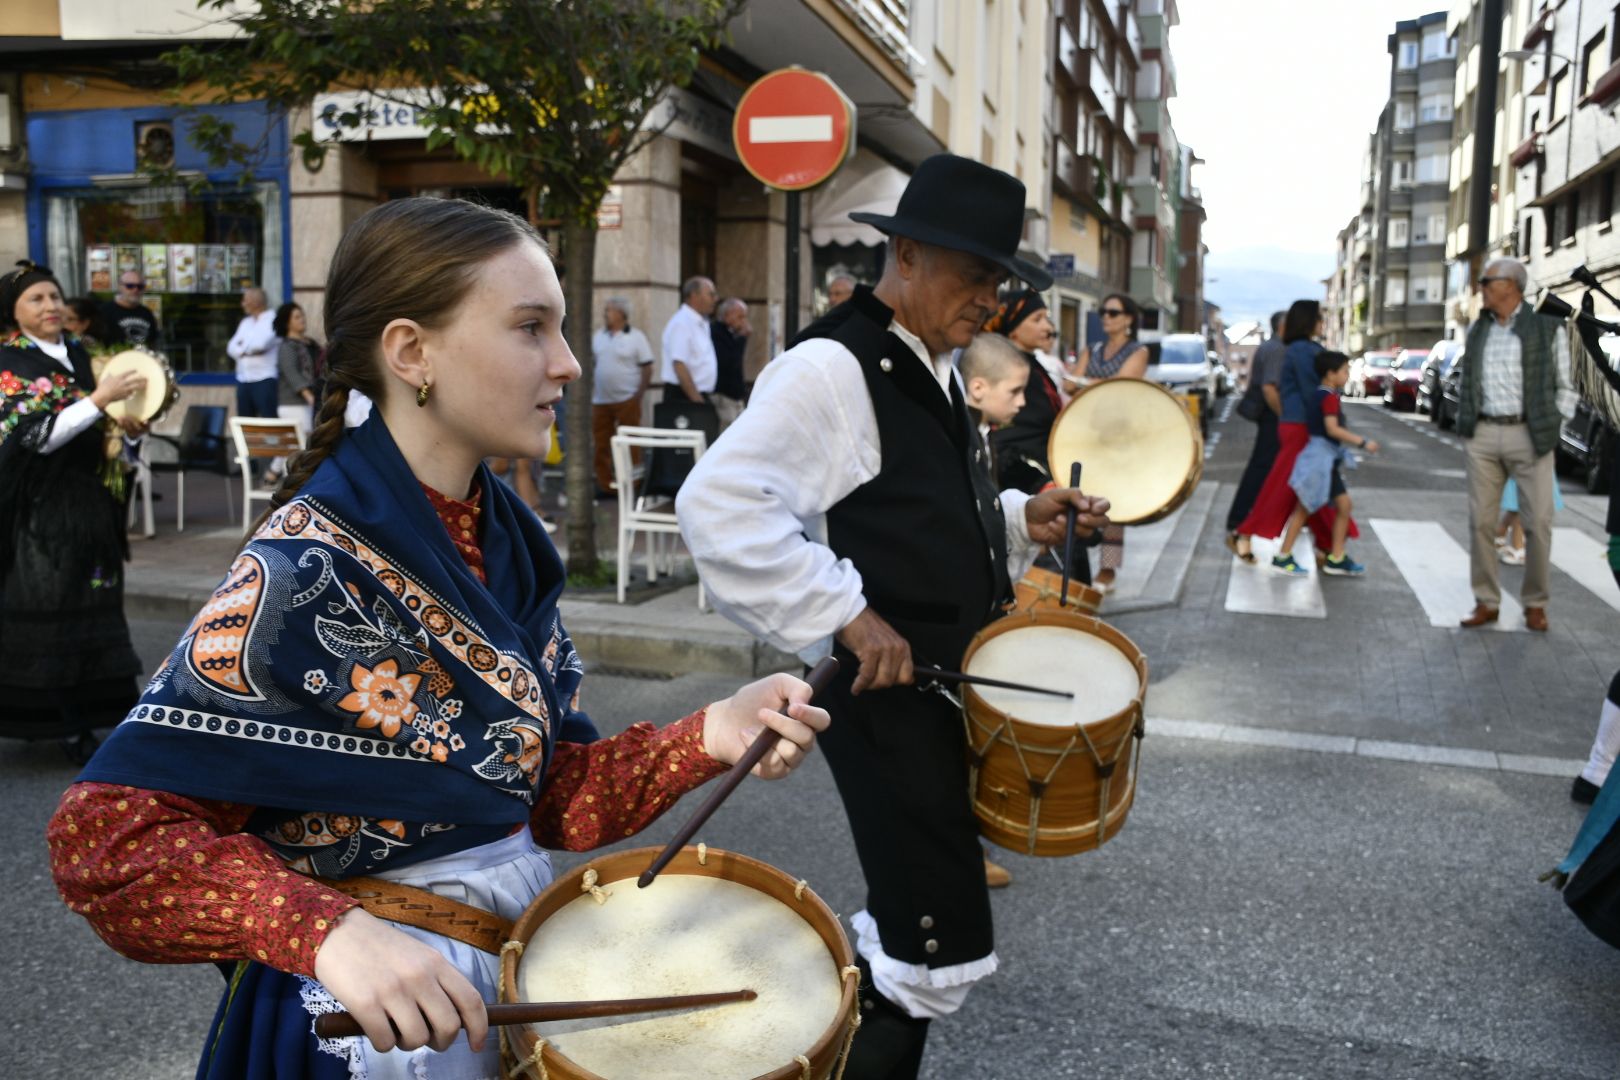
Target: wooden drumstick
<point>1068,537</point>
<point>340,1025</point>
<point>820,676</point>
<point>980,680</point>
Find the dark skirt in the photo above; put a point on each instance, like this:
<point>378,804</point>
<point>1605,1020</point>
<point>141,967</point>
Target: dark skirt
<point>1593,892</point>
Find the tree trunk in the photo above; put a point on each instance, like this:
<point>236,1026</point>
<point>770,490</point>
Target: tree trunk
<point>579,256</point>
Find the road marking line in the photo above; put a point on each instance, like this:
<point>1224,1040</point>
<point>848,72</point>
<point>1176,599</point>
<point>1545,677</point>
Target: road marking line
<point>1587,561</point>
<point>1143,546</point>
<point>1383,749</point>
<point>790,129</point>
<point>1436,570</point>
<point>1259,590</point>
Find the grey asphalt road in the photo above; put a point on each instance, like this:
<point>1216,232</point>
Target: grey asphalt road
<point>1266,914</point>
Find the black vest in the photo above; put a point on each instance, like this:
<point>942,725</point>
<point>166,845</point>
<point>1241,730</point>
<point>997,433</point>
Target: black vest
<point>926,533</point>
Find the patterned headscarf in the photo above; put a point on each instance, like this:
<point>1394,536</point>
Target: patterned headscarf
<point>1014,309</point>
<point>18,281</point>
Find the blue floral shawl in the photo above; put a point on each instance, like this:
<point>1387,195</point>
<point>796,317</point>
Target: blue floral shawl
<point>353,678</point>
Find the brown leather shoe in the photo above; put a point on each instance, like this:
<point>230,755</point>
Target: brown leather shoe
<point>1535,618</point>
<point>995,876</point>
<point>1482,616</point>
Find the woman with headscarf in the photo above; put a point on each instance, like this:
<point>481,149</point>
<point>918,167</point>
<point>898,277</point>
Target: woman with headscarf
<point>1019,448</point>
<point>69,665</point>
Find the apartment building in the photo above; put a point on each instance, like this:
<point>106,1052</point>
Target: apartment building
<point>1410,188</point>
<point>1191,316</point>
<point>1156,183</point>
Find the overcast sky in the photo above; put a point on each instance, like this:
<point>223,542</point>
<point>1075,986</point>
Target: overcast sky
<point>1278,96</point>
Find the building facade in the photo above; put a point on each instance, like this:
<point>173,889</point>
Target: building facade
<point>1156,182</point>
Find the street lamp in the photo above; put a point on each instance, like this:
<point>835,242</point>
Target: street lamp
<point>1522,55</point>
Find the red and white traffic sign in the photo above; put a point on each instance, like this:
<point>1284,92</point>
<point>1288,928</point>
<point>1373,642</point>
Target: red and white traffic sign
<point>793,129</point>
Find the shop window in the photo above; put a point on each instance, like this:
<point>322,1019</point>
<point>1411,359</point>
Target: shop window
<point>197,251</point>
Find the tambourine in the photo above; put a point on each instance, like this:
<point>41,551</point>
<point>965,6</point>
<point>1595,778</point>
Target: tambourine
<point>160,393</point>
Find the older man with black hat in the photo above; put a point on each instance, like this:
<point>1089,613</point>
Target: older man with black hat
<point>848,511</point>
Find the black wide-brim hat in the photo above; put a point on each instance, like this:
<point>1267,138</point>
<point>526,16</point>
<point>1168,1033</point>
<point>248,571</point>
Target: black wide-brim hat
<point>957,203</point>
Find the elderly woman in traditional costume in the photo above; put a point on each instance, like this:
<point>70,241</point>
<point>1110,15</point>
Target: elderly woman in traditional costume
<point>382,688</point>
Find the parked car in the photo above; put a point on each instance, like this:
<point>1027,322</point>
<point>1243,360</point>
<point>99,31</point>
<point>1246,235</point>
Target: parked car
<point>1400,389</point>
<point>1225,381</point>
<point>1180,364</point>
<point>1370,373</point>
<point>1445,406</point>
<point>1441,357</point>
<point>1583,447</point>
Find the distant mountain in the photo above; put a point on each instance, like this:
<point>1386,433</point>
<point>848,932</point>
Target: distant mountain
<point>1251,283</point>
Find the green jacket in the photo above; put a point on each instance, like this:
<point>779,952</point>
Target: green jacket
<point>1536,335</point>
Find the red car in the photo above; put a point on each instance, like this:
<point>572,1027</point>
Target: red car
<point>1403,378</point>
<point>1370,375</point>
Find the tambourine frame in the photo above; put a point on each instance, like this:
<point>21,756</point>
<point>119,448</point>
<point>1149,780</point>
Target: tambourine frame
<point>120,409</point>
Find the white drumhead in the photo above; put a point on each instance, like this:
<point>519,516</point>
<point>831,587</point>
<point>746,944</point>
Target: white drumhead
<point>683,934</point>
<point>1135,442</point>
<point>153,398</point>
<point>1102,679</point>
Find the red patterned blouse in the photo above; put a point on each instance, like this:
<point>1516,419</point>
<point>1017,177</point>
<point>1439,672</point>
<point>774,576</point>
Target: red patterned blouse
<point>169,879</point>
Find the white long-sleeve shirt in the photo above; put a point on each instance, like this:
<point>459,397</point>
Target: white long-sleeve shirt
<point>253,347</point>
<point>753,511</point>
<point>76,417</point>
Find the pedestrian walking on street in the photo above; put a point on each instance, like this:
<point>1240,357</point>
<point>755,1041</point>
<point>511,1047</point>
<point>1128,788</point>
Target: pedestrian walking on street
<point>1316,479</point>
<point>1262,403</point>
<point>382,688</point>
<point>69,665</point>
<point>1118,356</point>
<point>1515,394</point>
<point>729,332</point>
<point>843,513</point>
<point>623,364</point>
<point>1296,388</point>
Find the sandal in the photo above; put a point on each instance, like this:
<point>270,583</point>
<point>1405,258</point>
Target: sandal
<point>1232,540</point>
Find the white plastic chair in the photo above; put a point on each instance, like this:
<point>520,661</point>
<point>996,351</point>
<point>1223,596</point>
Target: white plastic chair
<point>261,437</point>
<point>141,499</point>
<point>636,513</point>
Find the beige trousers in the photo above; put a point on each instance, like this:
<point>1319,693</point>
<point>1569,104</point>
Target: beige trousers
<point>1496,452</point>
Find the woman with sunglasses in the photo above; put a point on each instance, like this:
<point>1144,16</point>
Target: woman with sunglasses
<point>1118,356</point>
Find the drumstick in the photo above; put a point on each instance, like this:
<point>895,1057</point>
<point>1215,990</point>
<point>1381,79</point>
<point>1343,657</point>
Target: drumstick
<point>819,678</point>
<point>1068,538</point>
<point>339,1025</point>
<point>979,680</point>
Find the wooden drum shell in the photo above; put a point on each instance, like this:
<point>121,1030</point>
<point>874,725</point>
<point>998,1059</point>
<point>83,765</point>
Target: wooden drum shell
<point>1040,588</point>
<point>517,1046</point>
<point>1082,806</point>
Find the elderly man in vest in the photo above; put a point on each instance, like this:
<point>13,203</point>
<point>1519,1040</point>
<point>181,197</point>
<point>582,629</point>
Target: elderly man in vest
<point>1515,393</point>
<point>850,511</point>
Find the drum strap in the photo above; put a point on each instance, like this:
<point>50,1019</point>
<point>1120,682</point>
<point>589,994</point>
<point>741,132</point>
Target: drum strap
<point>410,906</point>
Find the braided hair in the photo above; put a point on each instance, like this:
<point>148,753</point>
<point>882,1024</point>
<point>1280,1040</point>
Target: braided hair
<point>414,259</point>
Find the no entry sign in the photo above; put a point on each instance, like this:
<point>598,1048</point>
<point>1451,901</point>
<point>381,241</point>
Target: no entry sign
<point>793,129</point>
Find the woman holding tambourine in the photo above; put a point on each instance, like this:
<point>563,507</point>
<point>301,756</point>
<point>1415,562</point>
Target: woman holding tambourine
<point>66,663</point>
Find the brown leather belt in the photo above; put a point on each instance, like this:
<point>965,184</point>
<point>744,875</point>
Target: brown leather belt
<point>1511,418</point>
<point>416,907</point>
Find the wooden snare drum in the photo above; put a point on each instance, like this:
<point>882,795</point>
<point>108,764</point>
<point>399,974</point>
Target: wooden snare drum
<point>712,921</point>
<point>1138,443</point>
<point>1041,588</point>
<point>1047,775</point>
<point>160,393</point>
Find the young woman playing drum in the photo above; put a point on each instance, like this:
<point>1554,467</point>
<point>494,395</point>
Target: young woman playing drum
<point>69,666</point>
<point>382,688</point>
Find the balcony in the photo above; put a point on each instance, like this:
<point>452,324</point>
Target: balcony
<point>1540,27</point>
<point>1606,89</point>
<point>1073,177</point>
<point>1101,84</point>
<point>1131,34</point>
<point>1526,152</point>
<point>887,23</point>
<point>1403,140</point>
<point>1150,115</point>
<point>1129,127</point>
<point>1067,59</point>
<point>1153,31</point>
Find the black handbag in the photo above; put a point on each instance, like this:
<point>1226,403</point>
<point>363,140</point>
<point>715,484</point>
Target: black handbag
<point>1251,407</point>
<point>667,468</point>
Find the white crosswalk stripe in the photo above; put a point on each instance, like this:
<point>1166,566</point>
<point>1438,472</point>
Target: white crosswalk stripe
<point>1587,561</point>
<point>1260,590</point>
<point>1436,570</point>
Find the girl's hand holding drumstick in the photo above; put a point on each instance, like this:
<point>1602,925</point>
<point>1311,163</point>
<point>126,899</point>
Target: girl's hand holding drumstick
<point>781,702</point>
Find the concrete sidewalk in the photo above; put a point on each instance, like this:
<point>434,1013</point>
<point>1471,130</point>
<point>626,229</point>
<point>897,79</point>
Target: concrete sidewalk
<point>659,631</point>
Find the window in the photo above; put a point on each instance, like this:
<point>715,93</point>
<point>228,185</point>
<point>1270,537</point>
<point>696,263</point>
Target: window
<point>1436,46</point>
<point>1572,216</point>
<point>1406,59</point>
<point>1605,185</point>
<point>1527,236</point>
<point>1594,62</point>
<point>1395,291</point>
<point>1549,238</point>
<point>1434,108</point>
<point>1432,168</point>
<point>1401,173</point>
<point>1428,289</point>
<point>1397,232</point>
<point>1403,116</point>
<point>1614,36</point>
<point>1558,107</point>
<point>1430,229</point>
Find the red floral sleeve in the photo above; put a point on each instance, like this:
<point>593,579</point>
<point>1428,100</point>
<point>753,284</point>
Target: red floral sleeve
<point>601,792</point>
<point>166,879</point>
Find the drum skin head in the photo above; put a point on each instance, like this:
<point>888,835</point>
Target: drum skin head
<point>1138,446</point>
<point>160,391</point>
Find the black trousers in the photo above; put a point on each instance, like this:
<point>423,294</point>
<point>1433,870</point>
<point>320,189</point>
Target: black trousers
<point>1254,473</point>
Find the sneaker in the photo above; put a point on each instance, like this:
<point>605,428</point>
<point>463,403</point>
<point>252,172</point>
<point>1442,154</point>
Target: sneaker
<point>1285,564</point>
<point>1343,567</point>
<point>1511,556</point>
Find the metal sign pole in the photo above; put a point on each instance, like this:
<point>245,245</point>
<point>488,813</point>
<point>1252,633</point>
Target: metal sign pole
<point>791,279</point>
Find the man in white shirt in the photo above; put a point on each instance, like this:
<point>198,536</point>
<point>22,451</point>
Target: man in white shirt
<point>849,510</point>
<point>253,347</point>
<point>623,363</point>
<point>690,367</point>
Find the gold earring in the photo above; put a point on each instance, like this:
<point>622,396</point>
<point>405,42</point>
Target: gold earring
<point>422,394</point>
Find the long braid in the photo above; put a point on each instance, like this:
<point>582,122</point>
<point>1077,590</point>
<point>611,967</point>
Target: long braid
<point>322,441</point>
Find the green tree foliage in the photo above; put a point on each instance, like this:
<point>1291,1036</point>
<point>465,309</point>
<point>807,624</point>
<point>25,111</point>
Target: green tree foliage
<point>554,95</point>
